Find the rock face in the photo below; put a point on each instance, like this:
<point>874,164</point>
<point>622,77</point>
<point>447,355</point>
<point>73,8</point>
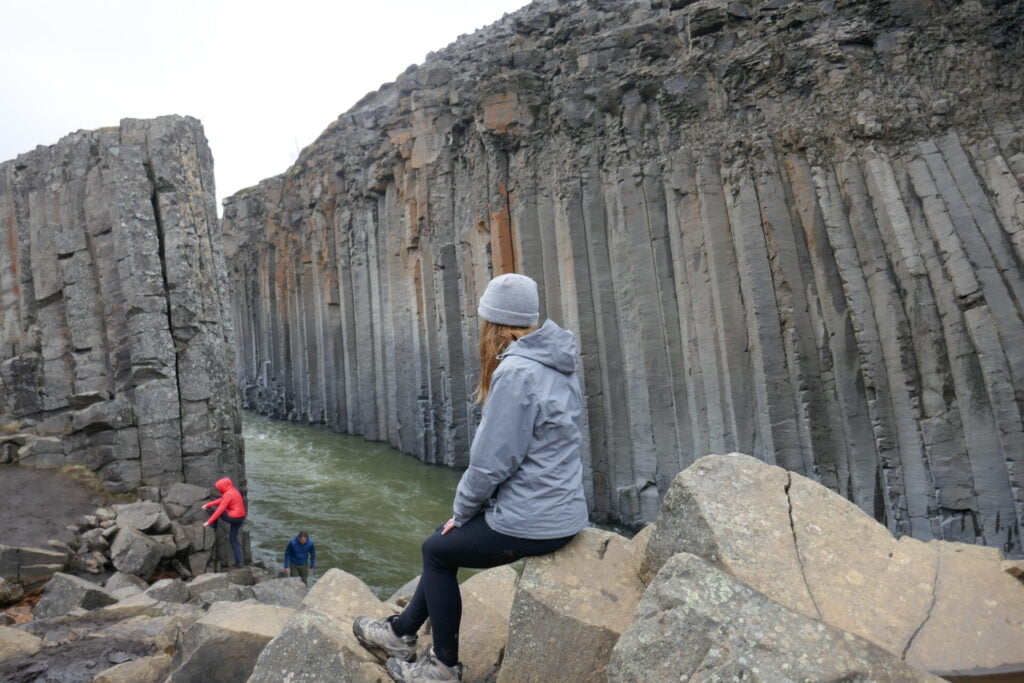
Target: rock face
<point>317,644</point>
<point>65,593</point>
<point>116,346</point>
<point>791,229</point>
<point>15,643</point>
<point>224,644</point>
<point>942,607</point>
<point>697,622</point>
<point>571,607</point>
<point>134,552</point>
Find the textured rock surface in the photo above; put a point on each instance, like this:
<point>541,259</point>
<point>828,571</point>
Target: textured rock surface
<point>65,592</point>
<point>134,552</point>
<point>146,516</point>
<point>317,644</point>
<point>283,592</point>
<point>791,229</point>
<point>224,644</point>
<point>169,590</point>
<point>15,643</point>
<point>116,346</point>
<point>141,670</point>
<point>943,607</point>
<point>571,607</point>
<point>486,607</point>
<point>696,622</point>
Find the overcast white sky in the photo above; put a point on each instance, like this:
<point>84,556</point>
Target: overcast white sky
<point>264,77</point>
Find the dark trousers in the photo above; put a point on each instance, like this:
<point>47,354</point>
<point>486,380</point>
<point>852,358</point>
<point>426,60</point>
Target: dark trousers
<point>302,570</point>
<point>236,524</point>
<point>474,545</point>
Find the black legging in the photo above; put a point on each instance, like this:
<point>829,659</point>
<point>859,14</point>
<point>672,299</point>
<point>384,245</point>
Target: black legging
<point>473,545</point>
<point>235,523</point>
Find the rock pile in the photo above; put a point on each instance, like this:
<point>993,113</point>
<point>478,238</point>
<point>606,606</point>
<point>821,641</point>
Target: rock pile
<point>744,576</point>
<point>134,540</point>
<point>215,624</point>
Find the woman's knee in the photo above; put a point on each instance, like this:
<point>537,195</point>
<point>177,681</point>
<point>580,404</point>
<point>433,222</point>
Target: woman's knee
<point>437,550</point>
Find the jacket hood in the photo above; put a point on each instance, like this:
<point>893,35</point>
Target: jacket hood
<point>223,485</point>
<point>551,345</point>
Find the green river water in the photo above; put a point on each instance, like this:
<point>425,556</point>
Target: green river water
<point>367,506</point>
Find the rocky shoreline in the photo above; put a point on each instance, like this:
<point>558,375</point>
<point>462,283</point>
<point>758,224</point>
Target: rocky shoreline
<point>742,576</point>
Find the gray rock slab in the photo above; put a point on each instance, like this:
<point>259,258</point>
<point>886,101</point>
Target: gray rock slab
<point>206,582</point>
<point>141,670</point>
<point>231,593</point>
<point>65,592</point>
<point>695,621</point>
<point>169,590</point>
<point>133,552</point>
<point>120,580</point>
<point>225,644</point>
<point>145,516</point>
<point>283,592</point>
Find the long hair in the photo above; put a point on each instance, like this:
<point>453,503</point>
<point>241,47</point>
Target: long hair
<point>494,339</point>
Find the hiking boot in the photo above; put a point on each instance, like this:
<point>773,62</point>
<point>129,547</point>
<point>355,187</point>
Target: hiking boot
<point>430,669</point>
<point>377,635</point>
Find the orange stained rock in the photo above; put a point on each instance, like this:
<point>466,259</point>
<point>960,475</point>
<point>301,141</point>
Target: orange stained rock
<point>503,258</point>
<point>502,110</point>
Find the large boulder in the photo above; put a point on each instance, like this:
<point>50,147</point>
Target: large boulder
<point>134,552</point>
<point>223,646</point>
<point>65,592</point>
<point>141,670</point>
<point>169,590</point>
<point>30,566</point>
<point>119,580</point>
<point>145,516</point>
<point>232,593</point>
<point>317,643</point>
<point>571,607</point>
<point>944,607</point>
<point>697,622</point>
<point>15,643</point>
<point>206,582</point>
<point>486,607</point>
<point>284,592</point>
<point>162,631</point>
<point>184,499</point>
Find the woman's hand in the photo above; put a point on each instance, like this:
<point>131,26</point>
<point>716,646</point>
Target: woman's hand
<point>448,526</point>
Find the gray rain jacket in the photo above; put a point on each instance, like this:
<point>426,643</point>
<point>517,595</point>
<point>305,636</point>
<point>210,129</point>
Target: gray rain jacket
<point>524,464</point>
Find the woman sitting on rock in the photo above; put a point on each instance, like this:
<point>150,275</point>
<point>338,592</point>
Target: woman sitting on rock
<point>523,492</point>
<point>232,508</point>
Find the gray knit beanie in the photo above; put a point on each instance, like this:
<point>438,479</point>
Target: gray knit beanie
<point>510,299</point>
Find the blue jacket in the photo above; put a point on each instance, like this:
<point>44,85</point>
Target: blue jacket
<point>299,553</point>
<point>525,469</point>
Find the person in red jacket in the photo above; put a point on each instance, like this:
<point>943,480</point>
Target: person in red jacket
<point>231,507</point>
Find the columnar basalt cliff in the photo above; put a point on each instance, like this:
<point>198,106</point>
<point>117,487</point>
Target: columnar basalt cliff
<point>117,351</point>
<point>793,229</point>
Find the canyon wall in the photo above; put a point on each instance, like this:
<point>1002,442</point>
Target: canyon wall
<point>116,346</point>
<point>791,229</point>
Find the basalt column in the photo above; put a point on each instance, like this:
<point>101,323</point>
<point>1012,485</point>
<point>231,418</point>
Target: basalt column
<point>116,346</point>
<point>790,229</point>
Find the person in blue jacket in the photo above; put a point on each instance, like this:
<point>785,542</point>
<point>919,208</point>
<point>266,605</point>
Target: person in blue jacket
<point>523,491</point>
<point>300,554</point>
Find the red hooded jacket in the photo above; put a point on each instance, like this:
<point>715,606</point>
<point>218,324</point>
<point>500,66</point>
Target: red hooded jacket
<point>230,502</point>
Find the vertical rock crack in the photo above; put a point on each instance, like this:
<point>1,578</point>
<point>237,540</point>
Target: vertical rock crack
<point>161,246</point>
<point>796,546</point>
<point>931,606</point>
